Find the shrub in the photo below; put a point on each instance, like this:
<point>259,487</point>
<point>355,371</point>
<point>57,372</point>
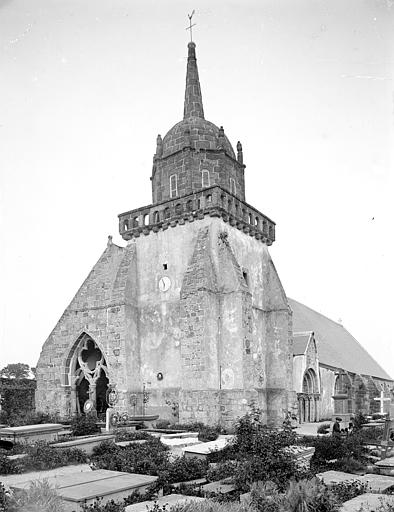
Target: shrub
<point>8,467</point>
<point>162,424</point>
<point>265,496</point>
<point>43,456</point>
<point>324,428</point>
<point>84,425</point>
<point>4,499</point>
<point>260,453</point>
<point>345,491</point>
<point>210,506</point>
<point>222,470</point>
<point>40,497</point>
<point>145,458</point>
<point>125,435</point>
<point>337,447</point>
<point>98,506</point>
<point>309,495</point>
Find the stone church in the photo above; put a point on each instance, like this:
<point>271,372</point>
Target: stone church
<point>189,319</point>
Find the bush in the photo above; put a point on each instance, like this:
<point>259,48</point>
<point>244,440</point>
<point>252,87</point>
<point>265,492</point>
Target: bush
<point>222,470</point>
<point>324,428</point>
<point>8,467</point>
<point>162,424</point>
<point>40,497</point>
<point>43,456</point>
<point>346,491</point>
<point>310,495</point>
<point>98,506</point>
<point>4,499</point>
<point>84,425</point>
<point>126,435</point>
<point>145,458</point>
<point>259,452</point>
<point>337,447</point>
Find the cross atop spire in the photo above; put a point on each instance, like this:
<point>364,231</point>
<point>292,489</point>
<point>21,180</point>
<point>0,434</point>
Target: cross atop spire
<point>193,98</point>
<point>191,25</point>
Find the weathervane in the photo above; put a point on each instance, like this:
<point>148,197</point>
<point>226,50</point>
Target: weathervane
<point>190,16</point>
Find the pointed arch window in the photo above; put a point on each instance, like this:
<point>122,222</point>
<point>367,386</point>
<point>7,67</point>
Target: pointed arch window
<point>205,179</point>
<point>173,185</point>
<point>233,188</point>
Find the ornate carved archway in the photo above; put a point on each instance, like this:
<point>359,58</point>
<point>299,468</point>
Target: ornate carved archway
<point>309,398</point>
<point>89,376</point>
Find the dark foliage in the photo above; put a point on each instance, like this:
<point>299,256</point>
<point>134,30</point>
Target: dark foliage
<point>84,425</point>
<point>345,491</point>
<point>41,456</point>
<point>17,400</point>
<point>324,428</point>
<point>338,449</point>
<point>125,435</point>
<point>4,499</point>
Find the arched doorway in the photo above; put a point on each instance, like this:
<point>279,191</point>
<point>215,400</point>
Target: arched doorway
<point>89,376</point>
<point>309,398</point>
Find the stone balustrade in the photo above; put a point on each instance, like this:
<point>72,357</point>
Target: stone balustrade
<point>212,201</point>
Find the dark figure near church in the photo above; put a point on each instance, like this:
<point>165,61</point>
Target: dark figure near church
<point>336,428</point>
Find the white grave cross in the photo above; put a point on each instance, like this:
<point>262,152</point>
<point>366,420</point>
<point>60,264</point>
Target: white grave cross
<point>381,399</point>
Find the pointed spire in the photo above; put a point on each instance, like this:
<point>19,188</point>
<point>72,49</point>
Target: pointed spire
<point>193,99</point>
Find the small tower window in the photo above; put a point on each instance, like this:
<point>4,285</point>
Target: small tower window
<point>135,222</point>
<point>156,217</point>
<point>189,205</point>
<point>146,219</point>
<point>126,225</point>
<point>232,186</point>
<point>205,181</point>
<point>173,185</point>
<point>208,198</point>
<point>166,213</point>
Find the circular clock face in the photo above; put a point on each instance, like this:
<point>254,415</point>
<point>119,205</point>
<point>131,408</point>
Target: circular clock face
<point>164,283</point>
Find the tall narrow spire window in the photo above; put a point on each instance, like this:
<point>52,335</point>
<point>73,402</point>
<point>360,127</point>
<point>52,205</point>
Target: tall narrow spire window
<point>205,181</point>
<point>173,185</point>
<point>232,186</point>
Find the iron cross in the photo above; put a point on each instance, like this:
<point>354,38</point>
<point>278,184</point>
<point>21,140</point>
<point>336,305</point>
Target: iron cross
<point>190,16</point>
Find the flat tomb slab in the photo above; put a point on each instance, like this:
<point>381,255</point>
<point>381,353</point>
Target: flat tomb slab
<point>386,463</point>
<point>32,433</point>
<point>179,435</point>
<point>222,487</point>
<point>202,450</point>
<point>85,443</point>
<point>377,483</point>
<point>170,499</point>
<point>83,488</point>
<point>63,481</point>
<point>18,480</point>
<point>369,502</point>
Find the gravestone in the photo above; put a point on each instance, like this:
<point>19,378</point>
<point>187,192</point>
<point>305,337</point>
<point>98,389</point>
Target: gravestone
<point>203,450</point>
<point>170,499</point>
<point>85,488</point>
<point>30,434</point>
<point>376,483</point>
<point>367,502</point>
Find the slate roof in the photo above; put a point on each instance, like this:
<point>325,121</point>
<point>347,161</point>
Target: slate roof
<point>300,342</point>
<point>335,345</point>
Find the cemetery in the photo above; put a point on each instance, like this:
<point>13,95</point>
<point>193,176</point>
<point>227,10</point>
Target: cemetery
<point>186,468</point>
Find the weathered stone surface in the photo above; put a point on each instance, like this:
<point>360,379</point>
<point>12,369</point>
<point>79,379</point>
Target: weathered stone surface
<point>23,478</point>
<point>86,487</point>
<point>170,499</point>
<point>202,450</point>
<point>367,502</point>
<point>377,483</point>
<point>31,433</point>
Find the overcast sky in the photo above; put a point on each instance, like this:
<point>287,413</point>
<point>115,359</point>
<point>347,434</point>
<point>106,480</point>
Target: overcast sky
<point>306,86</point>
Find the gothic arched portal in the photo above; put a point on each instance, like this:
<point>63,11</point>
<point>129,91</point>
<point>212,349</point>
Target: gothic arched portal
<point>89,375</point>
